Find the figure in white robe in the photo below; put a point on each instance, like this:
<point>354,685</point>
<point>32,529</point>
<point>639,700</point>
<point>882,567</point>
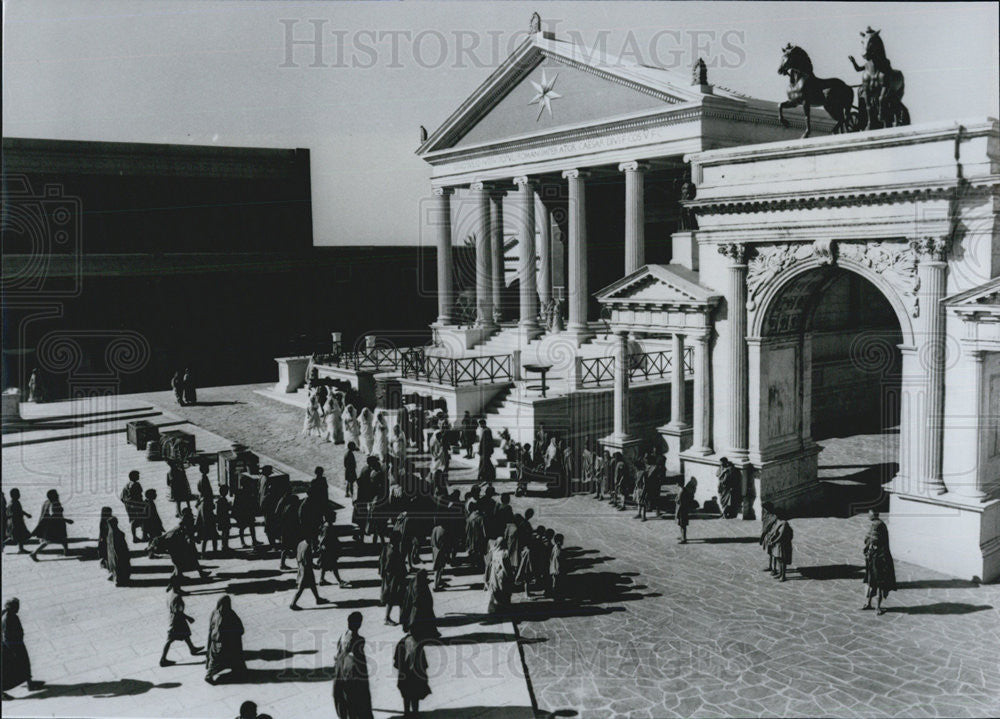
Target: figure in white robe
<point>352,428</point>
<point>380,438</point>
<point>438,451</point>
<point>313,424</point>
<point>367,431</point>
<point>337,412</point>
<point>397,450</point>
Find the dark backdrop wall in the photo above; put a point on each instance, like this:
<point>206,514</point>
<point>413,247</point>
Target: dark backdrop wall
<point>123,263</point>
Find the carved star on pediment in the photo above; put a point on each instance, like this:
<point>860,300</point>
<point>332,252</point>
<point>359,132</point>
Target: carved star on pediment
<point>544,94</point>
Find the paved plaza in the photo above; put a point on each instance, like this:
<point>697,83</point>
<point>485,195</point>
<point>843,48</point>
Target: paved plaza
<point>653,629</point>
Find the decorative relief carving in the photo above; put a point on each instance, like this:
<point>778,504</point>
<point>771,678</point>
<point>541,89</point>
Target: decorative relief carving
<point>894,262</point>
<point>768,261</point>
<point>824,251</point>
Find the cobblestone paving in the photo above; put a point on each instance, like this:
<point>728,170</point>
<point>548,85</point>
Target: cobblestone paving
<point>658,629</point>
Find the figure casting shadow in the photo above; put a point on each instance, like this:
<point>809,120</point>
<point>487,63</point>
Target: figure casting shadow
<point>941,608</point>
<point>479,712</point>
<point>937,584</point>
<point>272,655</point>
<point>261,586</point>
<point>831,571</point>
<point>220,403</point>
<point>100,690</point>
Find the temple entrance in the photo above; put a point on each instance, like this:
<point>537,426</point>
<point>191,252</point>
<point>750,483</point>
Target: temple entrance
<point>829,369</point>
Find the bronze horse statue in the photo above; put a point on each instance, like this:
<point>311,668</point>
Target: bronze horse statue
<point>805,89</point>
<point>880,97</point>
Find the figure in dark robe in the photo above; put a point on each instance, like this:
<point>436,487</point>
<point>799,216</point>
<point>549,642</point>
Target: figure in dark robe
<point>880,570</point>
<point>350,469</point>
<point>392,569</point>
<point>475,539</point>
<point>440,551</point>
<point>179,489</point>
<point>417,616</point>
<point>410,662</point>
<point>102,536</point>
<point>206,523</point>
<point>225,642</point>
<point>177,385</point>
<point>179,545</point>
<point>498,579</point>
<point>223,512</point>
<point>288,527</point>
<point>780,545</point>
<point>245,513</point>
<point>305,577</point>
<point>730,488</point>
<point>768,521</point>
<point>132,498</point>
<point>15,665</point>
<point>51,528</point>
<point>487,472</point>
<point>190,394</point>
<point>352,698</point>
<point>685,505</point>
<point>17,530</point>
<point>557,567</point>
<point>468,434</point>
<point>152,525</point>
<point>119,557</point>
<point>329,553</point>
<point>179,628</point>
<point>273,496</point>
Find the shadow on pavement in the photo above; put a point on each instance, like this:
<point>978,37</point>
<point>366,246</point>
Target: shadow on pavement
<point>99,690</point>
<point>941,608</point>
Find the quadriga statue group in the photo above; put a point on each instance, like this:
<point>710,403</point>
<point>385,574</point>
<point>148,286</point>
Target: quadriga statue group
<point>880,93</point>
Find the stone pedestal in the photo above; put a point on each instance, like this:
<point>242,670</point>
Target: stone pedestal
<point>959,537</point>
<point>336,342</point>
<point>677,439</point>
<point>12,405</point>
<point>291,373</point>
<point>388,393</point>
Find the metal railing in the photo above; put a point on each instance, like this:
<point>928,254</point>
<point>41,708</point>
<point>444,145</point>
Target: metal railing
<point>597,371</point>
<point>453,372</point>
<point>379,359</point>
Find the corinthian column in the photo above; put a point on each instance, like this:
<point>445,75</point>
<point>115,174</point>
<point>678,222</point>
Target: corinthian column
<point>442,219</point>
<point>497,263</point>
<point>544,218</point>
<point>635,215</point>
<point>739,384</point>
<point>577,285</point>
<point>484,283</point>
<point>526,269</point>
<point>932,273</point>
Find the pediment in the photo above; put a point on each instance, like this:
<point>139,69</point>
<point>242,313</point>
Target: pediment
<point>985,297</point>
<point>591,86</point>
<point>659,285</point>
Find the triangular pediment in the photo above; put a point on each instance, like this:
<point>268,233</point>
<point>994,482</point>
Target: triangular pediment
<point>591,86</point>
<point>985,295</point>
<point>673,285</point>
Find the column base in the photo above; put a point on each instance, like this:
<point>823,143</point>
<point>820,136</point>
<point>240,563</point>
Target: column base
<point>578,334</point>
<point>529,331</point>
<point>627,444</point>
<point>678,438</point>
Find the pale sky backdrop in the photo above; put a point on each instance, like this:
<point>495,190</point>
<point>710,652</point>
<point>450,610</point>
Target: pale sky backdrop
<point>210,72</point>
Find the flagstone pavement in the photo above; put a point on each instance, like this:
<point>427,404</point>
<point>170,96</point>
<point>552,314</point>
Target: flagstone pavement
<point>651,628</point>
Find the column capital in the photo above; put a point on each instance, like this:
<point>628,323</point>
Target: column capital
<point>931,249</point>
<point>442,191</point>
<point>633,166</point>
<point>478,185</point>
<point>738,252</point>
<point>524,181</point>
<point>575,174</point>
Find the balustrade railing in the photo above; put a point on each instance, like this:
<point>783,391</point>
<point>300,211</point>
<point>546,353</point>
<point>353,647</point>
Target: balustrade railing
<point>455,371</point>
<point>377,359</point>
<point>598,371</point>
